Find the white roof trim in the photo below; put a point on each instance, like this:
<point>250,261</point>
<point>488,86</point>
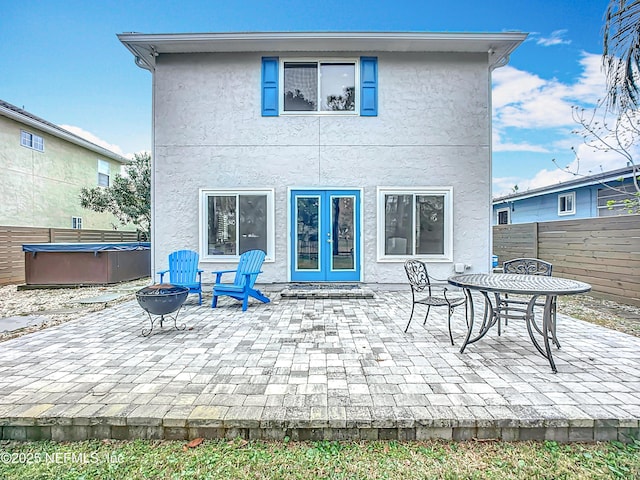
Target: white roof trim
<point>598,179</point>
<point>62,134</point>
<point>146,47</point>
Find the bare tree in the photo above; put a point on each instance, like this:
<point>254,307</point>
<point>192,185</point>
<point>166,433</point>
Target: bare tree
<point>614,124</point>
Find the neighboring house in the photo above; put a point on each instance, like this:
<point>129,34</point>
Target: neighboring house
<point>338,154</point>
<point>44,167</point>
<point>582,197</point>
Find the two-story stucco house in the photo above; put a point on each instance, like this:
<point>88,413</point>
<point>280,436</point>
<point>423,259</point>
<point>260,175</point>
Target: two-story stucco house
<point>598,195</point>
<point>44,167</point>
<point>338,154</point>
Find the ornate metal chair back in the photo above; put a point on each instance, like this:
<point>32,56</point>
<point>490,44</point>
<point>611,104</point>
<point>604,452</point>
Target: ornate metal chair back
<point>417,275</point>
<point>528,266</point>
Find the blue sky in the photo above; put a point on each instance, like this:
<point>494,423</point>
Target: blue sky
<point>61,60</point>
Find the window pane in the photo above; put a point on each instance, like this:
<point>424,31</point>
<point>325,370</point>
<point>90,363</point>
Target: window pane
<point>103,180</point>
<point>430,224</point>
<point>307,222</point>
<point>253,223</point>
<point>337,86</point>
<point>398,220</point>
<point>38,143</point>
<point>342,232</point>
<point>25,139</point>
<point>221,230</point>
<point>300,87</point>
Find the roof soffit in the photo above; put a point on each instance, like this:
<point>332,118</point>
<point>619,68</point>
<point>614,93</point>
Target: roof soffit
<point>146,47</point>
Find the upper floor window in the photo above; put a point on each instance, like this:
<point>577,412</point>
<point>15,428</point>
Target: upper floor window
<point>311,86</point>
<point>567,204</point>
<point>340,86</point>
<point>415,222</point>
<point>103,173</point>
<point>76,222</point>
<point>30,140</point>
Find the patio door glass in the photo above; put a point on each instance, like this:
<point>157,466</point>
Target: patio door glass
<point>325,235</point>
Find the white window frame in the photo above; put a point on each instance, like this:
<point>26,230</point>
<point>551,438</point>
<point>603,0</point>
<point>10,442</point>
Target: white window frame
<point>205,193</point>
<point>572,197</point>
<point>76,223</point>
<point>32,141</point>
<point>318,60</point>
<point>501,210</point>
<point>104,168</point>
<point>447,192</point>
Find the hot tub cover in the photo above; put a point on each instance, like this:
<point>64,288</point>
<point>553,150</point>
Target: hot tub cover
<point>85,247</point>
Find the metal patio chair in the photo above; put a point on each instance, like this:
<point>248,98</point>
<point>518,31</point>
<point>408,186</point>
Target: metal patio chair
<point>526,266</point>
<point>432,294</point>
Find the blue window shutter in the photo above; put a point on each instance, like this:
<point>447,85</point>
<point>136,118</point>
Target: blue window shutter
<point>369,86</point>
<point>269,86</point>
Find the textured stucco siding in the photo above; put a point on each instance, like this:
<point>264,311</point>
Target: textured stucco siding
<point>432,129</point>
<point>41,189</point>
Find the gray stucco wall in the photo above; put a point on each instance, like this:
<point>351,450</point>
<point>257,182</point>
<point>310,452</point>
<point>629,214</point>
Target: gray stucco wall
<point>432,129</point>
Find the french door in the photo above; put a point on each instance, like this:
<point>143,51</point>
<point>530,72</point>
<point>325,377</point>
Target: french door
<point>325,235</point>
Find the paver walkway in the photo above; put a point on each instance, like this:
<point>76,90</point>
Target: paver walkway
<point>314,369</point>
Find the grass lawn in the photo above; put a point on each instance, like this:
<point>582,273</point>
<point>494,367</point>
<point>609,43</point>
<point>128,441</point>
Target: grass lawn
<point>239,459</point>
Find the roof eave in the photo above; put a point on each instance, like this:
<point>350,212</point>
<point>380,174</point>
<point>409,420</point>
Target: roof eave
<point>62,134</point>
<point>146,47</point>
<point>601,178</point>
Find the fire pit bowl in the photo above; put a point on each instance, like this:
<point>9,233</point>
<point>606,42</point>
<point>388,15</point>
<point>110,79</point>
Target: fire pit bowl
<point>162,299</point>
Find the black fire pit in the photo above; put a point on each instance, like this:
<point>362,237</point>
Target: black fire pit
<point>162,299</point>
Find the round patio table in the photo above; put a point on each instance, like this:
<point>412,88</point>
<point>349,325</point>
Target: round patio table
<point>533,286</point>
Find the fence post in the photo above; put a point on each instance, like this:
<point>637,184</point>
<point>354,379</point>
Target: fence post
<point>536,245</point>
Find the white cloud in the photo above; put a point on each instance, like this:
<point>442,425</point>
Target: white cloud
<point>527,106</point>
<point>523,100</point>
<point>588,161</point>
<point>97,140</point>
<point>554,39</point>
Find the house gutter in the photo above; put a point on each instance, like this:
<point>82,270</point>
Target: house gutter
<point>146,47</point>
<point>602,179</point>
<point>61,133</point>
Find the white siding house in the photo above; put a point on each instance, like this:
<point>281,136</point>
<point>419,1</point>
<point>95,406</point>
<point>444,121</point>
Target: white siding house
<point>339,154</point>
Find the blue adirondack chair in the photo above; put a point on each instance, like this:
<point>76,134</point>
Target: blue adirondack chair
<point>183,270</point>
<point>242,287</point>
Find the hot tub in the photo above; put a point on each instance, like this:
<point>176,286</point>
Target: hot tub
<point>86,263</point>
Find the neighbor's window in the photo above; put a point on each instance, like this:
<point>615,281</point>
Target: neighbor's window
<point>319,86</point>
<point>614,201</point>
<point>237,221</point>
<point>567,204</point>
<point>415,222</point>
<point>30,140</point>
<point>76,223</point>
<point>503,216</point>
<point>103,173</point>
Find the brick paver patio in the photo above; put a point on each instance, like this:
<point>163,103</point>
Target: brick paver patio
<point>314,369</point>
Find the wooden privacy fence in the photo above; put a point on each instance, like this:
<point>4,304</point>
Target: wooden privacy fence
<point>604,252</point>
<point>12,239</point>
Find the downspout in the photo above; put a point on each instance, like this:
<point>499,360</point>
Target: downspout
<point>141,63</point>
<point>501,62</point>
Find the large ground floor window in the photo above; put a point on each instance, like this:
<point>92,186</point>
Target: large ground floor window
<point>415,222</point>
<point>233,222</point>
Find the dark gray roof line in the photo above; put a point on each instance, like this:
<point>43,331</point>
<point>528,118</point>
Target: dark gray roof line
<point>582,180</point>
<point>21,115</point>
